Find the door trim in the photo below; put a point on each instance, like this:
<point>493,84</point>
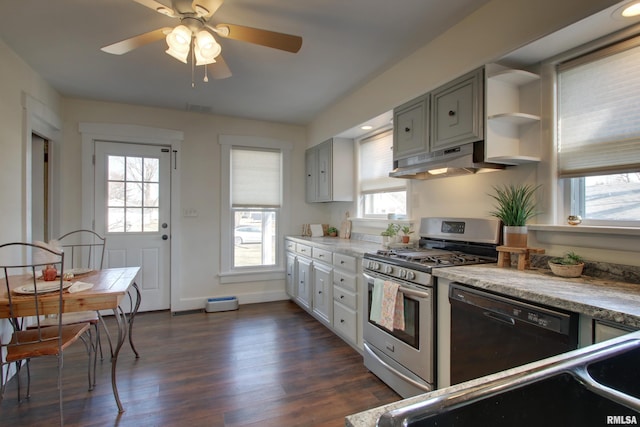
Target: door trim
<point>40,120</point>
<point>139,135</point>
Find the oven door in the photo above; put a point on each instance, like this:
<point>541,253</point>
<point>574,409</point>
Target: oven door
<point>402,359</point>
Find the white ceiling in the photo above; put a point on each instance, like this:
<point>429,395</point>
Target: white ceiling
<point>346,43</point>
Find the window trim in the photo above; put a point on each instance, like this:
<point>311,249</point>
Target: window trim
<point>403,185</point>
<point>562,188</point>
<point>227,273</point>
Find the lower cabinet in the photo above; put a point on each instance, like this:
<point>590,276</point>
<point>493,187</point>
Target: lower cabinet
<point>291,286</point>
<point>304,282</point>
<point>322,288</point>
<point>325,284</point>
<point>345,316</point>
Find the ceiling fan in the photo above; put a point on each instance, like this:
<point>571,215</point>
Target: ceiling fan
<point>195,35</point>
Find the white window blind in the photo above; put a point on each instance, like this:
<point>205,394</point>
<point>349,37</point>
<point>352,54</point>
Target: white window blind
<point>599,112</point>
<point>376,161</point>
<point>256,178</point>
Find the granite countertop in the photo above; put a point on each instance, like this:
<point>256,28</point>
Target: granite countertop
<point>599,298</point>
<point>352,247</point>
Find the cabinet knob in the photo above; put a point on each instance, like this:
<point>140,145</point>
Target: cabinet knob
<point>407,129</point>
<point>452,113</point>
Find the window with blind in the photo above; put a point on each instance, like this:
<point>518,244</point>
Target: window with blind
<point>256,195</point>
<point>599,133</point>
<point>379,194</point>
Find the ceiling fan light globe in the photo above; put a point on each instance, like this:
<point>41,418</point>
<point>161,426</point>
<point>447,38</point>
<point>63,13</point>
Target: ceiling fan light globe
<point>179,38</point>
<point>205,40</point>
<point>204,57</point>
<point>180,56</point>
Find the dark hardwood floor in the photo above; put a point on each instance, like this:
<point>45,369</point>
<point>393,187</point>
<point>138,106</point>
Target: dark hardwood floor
<point>266,364</point>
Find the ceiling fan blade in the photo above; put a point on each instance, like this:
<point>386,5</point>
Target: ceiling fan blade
<point>210,5</point>
<point>158,7</point>
<point>219,69</point>
<point>129,44</point>
<point>267,38</point>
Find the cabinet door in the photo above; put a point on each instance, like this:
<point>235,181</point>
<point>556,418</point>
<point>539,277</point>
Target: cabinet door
<point>304,283</point>
<point>291,275</point>
<point>410,125</point>
<point>457,112</point>
<point>322,287</point>
<point>324,174</point>
<point>311,170</point>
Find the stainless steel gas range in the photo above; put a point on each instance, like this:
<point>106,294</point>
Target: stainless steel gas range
<point>404,359</point>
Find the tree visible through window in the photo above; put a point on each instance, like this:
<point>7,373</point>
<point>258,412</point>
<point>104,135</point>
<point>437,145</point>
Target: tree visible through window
<point>132,194</point>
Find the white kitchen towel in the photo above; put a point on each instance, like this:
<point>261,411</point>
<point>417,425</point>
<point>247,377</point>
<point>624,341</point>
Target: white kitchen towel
<point>389,297</point>
<point>376,300</point>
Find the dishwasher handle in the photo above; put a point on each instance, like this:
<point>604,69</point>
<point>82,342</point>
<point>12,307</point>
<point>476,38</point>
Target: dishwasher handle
<point>500,317</point>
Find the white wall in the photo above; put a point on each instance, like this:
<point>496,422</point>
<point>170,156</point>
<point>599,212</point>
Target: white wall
<point>499,27</point>
<point>199,257</point>
<point>490,33</point>
<point>17,81</point>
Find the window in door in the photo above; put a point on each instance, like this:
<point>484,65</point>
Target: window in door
<point>380,195</point>
<point>599,134</point>
<point>132,194</point>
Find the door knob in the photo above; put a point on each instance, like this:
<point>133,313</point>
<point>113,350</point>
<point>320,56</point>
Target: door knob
<point>165,237</point>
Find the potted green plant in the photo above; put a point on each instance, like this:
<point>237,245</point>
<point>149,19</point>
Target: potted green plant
<point>570,265</point>
<point>332,231</point>
<point>406,231</point>
<point>389,235</point>
<point>515,205</point>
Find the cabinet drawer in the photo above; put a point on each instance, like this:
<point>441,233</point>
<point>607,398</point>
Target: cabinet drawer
<point>303,249</point>
<point>344,262</point>
<point>345,297</point>
<point>289,246</point>
<point>345,322</point>
<point>346,281</point>
<point>321,255</point>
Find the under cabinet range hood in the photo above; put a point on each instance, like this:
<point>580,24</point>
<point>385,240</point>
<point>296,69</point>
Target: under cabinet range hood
<point>462,160</point>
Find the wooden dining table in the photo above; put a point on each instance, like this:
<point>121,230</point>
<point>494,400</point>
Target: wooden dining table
<point>110,287</point>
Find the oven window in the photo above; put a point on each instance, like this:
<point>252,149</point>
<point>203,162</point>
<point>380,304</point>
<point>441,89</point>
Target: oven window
<point>411,332</point>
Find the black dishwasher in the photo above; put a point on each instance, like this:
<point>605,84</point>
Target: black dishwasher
<point>491,332</point>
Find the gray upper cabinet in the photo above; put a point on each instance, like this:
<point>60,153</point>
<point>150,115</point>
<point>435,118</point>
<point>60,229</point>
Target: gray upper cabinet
<point>411,128</point>
<point>457,113</point>
<point>329,171</point>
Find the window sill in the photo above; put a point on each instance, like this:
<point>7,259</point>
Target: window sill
<point>586,229</point>
<point>251,276</point>
<point>603,241</point>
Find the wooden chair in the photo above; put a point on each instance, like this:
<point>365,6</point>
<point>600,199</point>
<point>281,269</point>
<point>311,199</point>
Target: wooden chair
<point>29,295</point>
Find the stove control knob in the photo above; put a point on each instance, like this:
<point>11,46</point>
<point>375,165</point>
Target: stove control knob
<point>403,273</point>
<point>411,275</point>
<point>388,269</point>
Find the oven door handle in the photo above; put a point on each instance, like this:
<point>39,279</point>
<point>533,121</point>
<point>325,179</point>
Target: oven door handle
<point>413,293</point>
<point>393,371</point>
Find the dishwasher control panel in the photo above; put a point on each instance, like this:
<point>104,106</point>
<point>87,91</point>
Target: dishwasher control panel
<point>509,310</point>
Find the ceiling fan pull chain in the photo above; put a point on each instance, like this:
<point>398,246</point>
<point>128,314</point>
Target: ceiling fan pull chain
<point>193,64</point>
<point>206,77</point>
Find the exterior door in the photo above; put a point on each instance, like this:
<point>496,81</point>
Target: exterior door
<point>132,209</point>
